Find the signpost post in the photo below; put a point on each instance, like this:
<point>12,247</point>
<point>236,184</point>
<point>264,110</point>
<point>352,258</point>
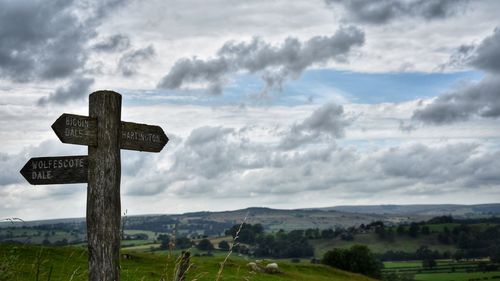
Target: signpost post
<point>105,134</point>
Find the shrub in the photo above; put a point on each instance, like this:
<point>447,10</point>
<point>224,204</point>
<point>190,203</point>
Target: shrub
<point>205,245</point>
<point>358,259</point>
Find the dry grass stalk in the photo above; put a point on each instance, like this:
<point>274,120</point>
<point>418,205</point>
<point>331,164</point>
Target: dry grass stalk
<point>235,238</point>
<point>182,267</point>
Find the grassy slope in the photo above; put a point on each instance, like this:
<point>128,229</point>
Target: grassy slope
<point>70,263</point>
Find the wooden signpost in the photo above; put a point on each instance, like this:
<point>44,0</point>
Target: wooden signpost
<point>105,134</point>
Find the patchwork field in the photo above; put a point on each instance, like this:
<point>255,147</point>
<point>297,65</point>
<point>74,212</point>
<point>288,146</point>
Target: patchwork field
<point>446,270</point>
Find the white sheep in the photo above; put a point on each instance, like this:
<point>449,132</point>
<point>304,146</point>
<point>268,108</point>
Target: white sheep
<point>272,268</point>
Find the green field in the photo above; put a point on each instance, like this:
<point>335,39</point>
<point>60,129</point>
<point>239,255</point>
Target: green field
<point>151,234</point>
<point>446,270</point>
<point>461,276</point>
<point>27,262</point>
<point>402,264</point>
<point>376,245</point>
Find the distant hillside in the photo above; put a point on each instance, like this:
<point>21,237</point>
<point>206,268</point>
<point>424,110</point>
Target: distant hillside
<point>465,211</point>
<point>214,223</point>
<point>275,219</point>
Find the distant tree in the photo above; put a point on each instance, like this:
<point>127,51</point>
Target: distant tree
<point>258,228</point>
<point>327,233</point>
<point>401,229</point>
<point>441,219</point>
<point>413,230</point>
<point>337,258</point>
<point>381,231</point>
<point>205,245</point>
<point>495,255</point>
<point>389,234</point>
<point>347,236</point>
<point>312,233</point>
<point>443,238</point>
<point>183,243</point>
<point>426,230</point>
<point>429,263</point>
<point>459,255</point>
<point>358,259</point>
<point>223,245</point>
<point>375,224</point>
<point>464,241</point>
<point>248,233</point>
<point>423,253</point>
<point>242,249</point>
<point>164,241</point>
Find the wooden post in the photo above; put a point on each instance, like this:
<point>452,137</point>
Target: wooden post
<point>104,134</point>
<point>103,192</point>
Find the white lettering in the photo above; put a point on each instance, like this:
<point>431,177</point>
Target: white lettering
<point>140,136</point>
<point>77,122</point>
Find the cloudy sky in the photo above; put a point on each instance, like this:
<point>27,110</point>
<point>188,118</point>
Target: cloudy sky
<point>283,104</point>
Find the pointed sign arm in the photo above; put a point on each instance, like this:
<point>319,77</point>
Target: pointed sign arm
<point>78,129</point>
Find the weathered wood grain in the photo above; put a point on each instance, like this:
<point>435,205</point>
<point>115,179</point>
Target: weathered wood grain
<point>56,170</point>
<point>103,192</point>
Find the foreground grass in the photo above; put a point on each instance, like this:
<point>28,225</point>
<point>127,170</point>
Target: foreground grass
<point>70,263</point>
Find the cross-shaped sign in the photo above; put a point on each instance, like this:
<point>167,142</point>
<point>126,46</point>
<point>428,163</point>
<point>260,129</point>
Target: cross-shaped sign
<point>105,134</point>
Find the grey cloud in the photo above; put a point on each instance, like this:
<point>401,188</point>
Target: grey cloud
<point>413,162</point>
<point>480,99</point>
<point>384,11</point>
<point>406,127</point>
<point>487,54</point>
<point>484,56</point>
<point>210,152</point>
<point>475,99</point>
<point>101,9</point>
<point>221,164</point>
<point>45,40</point>
<point>275,63</point>
<point>206,135</point>
<point>460,57</point>
<point>485,170</point>
<point>77,89</point>
<point>46,43</point>
<point>328,120</point>
<point>115,43</point>
<point>11,164</point>
<point>129,62</point>
<point>194,70</point>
